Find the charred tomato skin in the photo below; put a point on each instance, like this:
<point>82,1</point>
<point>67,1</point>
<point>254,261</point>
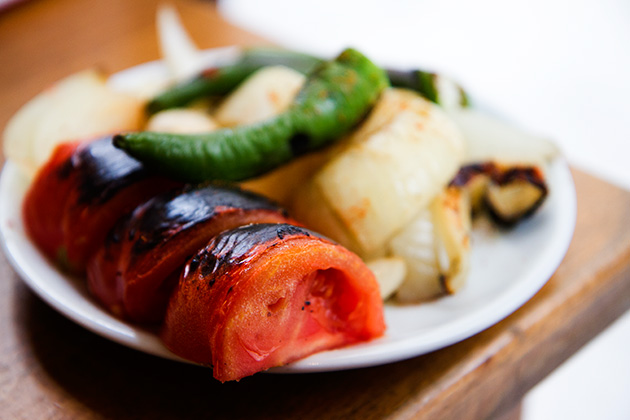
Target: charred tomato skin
<point>264,295</point>
<point>79,195</point>
<point>139,264</point>
<point>44,203</point>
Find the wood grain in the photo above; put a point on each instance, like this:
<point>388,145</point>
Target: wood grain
<point>43,41</point>
<point>52,368</point>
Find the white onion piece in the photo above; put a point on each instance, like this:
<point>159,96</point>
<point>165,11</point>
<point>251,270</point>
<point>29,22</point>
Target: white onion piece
<point>451,213</point>
<point>180,53</point>
<point>435,248</point>
<point>184,121</point>
<point>389,272</point>
<point>416,245</point>
<point>78,107</point>
<point>491,139</point>
<point>391,167</point>
<point>266,93</point>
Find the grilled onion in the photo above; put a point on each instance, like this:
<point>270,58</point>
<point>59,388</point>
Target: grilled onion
<point>391,167</point>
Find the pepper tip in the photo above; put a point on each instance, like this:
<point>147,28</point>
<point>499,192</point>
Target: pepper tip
<point>118,140</point>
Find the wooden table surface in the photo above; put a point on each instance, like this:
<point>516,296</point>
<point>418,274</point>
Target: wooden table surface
<point>51,368</point>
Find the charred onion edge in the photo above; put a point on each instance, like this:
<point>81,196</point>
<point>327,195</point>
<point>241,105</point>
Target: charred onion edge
<point>502,175</point>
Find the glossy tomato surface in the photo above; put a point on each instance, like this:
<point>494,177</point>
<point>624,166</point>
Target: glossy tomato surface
<point>80,194</point>
<point>135,271</point>
<point>265,295</point>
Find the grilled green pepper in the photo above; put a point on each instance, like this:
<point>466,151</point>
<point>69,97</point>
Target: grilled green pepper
<point>221,80</point>
<point>334,98</point>
<point>433,86</point>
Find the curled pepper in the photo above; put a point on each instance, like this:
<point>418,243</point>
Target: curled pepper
<point>334,98</point>
<point>220,81</point>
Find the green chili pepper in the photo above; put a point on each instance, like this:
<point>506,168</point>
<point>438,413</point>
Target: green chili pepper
<point>222,80</point>
<point>432,86</point>
<point>334,99</point>
<point>219,81</point>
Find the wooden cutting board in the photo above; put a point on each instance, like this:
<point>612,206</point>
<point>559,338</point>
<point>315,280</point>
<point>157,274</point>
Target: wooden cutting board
<point>52,368</point>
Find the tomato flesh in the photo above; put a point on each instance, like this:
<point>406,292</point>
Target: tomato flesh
<point>279,299</point>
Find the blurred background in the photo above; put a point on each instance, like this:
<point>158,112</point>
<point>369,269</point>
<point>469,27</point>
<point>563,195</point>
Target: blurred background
<point>557,67</point>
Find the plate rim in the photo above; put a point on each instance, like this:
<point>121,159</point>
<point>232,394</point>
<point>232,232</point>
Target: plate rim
<point>372,353</point>
<point>369,355</point>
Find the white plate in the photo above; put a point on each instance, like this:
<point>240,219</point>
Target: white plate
<point>508,268</point>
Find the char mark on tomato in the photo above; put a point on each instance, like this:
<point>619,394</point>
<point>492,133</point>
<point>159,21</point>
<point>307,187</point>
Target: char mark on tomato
<point>78,196</point>
<point>103,171</point>
<point>140,263</point>
<point>194,204</point>
<point>264,295</point>
<point>238,245</point>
